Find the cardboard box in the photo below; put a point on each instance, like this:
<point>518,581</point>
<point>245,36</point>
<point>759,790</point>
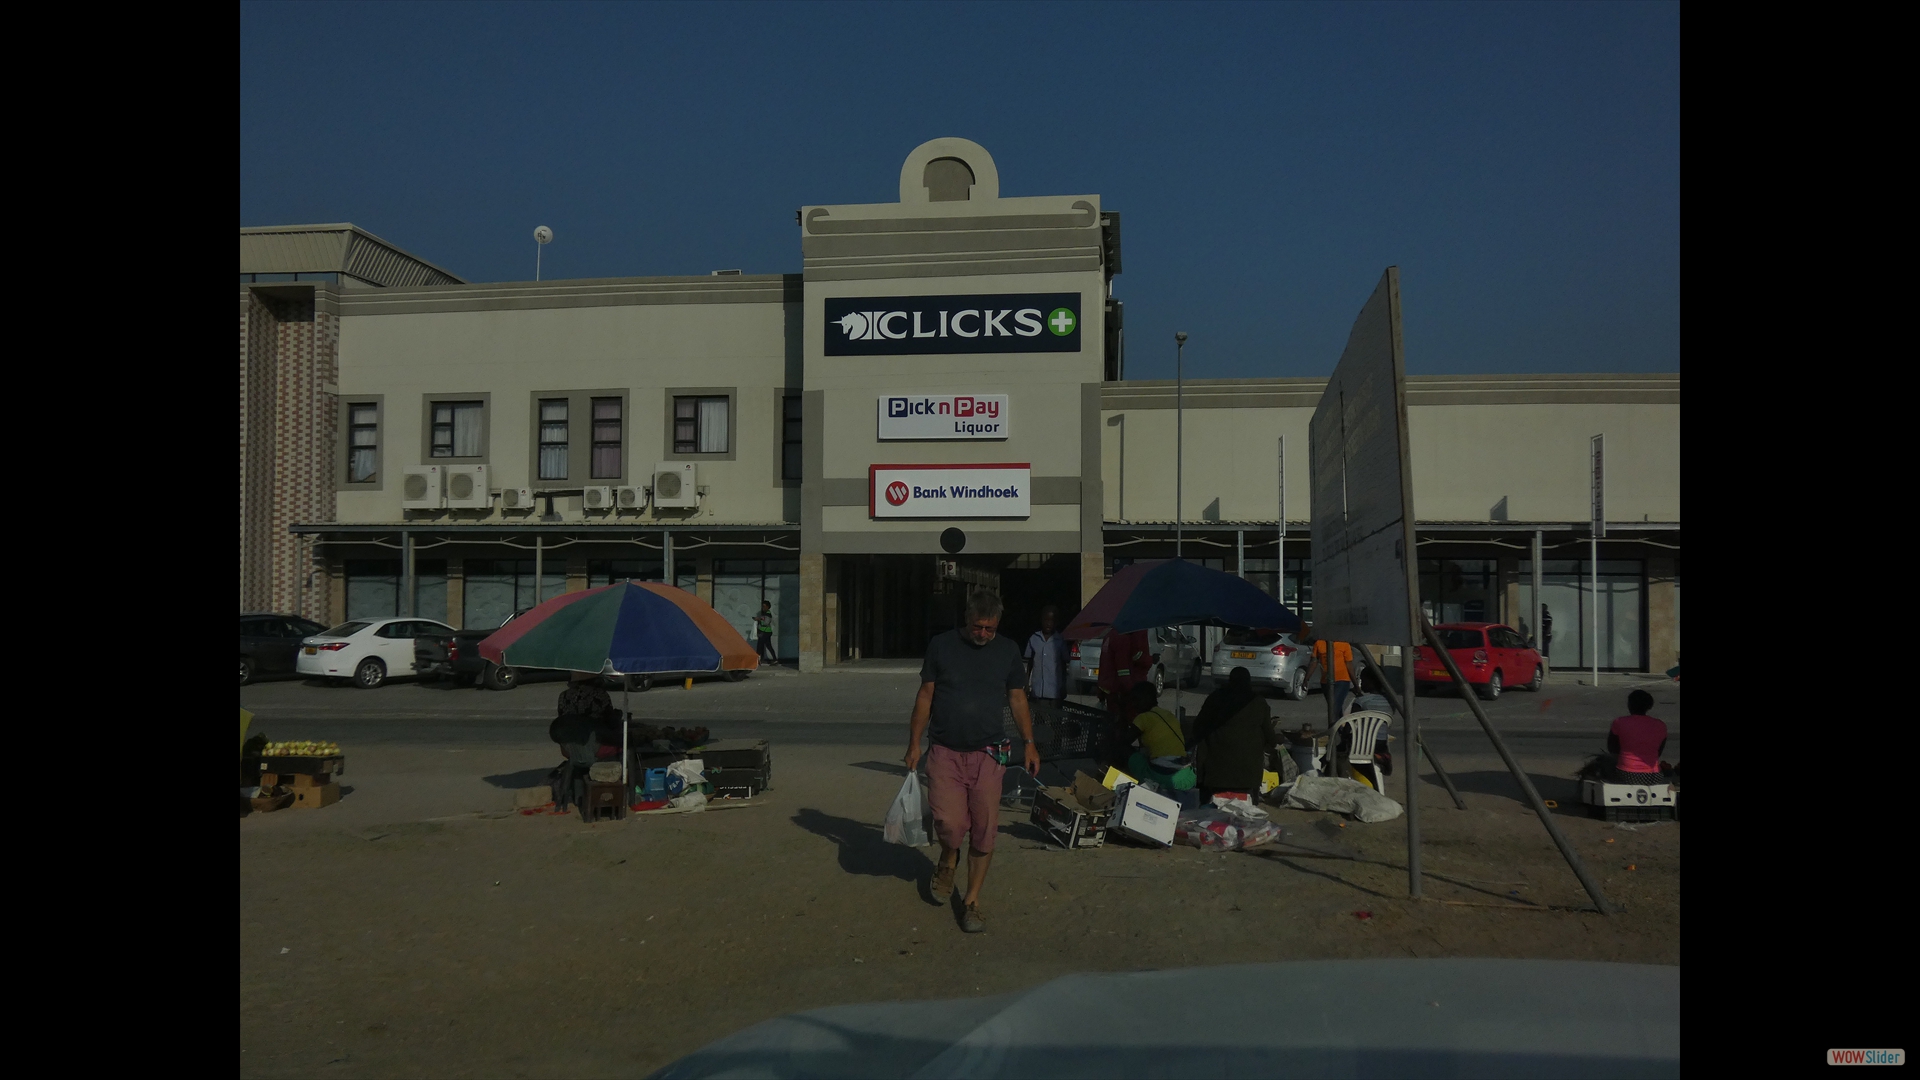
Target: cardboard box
<point>1146,815</point>
<point>312,798</point>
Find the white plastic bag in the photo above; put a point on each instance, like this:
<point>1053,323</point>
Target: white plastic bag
<point>906,818</point>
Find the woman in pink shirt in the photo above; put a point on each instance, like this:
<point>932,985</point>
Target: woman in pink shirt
<point>1636,742</point>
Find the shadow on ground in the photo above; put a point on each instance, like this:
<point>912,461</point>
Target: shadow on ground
<point>891,768</point>
<point>1564,790</point>
<point>863,850</point>
<point>523,779</point>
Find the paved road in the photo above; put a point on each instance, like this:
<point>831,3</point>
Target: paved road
<point>867,708</point>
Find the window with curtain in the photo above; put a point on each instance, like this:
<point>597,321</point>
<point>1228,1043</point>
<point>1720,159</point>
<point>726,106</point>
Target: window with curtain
<point>363,442</point>
<point>553,439</point>
<point>700,425</point>
<point>606,438</point>
<point>790,437</point>
<point>456,428</point>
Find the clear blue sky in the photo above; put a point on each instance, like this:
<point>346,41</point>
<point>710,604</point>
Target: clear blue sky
<point>1520,163</point>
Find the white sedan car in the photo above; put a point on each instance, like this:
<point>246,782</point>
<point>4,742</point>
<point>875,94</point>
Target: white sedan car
<point>367,651</point>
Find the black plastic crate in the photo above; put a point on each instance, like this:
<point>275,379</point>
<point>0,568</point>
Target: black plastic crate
<point>1083,732</point>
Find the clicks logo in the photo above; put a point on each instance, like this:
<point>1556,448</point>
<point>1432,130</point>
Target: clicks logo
<point>896,493</point>
<point>1061,322</point>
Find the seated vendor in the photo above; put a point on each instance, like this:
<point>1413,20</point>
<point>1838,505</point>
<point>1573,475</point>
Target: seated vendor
<point>1162,757</point>
<point>584,696</point>
<point>1635,743</point>
<point>1230,738</point>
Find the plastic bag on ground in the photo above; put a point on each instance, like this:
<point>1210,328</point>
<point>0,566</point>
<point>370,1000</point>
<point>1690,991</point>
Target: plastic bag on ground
<point>692,802</point>
<point>906,818</point>
<point>692,773</point>
<point>1225,828</point>
<point>1342,796</point>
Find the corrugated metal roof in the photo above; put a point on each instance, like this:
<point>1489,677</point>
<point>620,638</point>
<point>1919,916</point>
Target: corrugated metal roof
<point>338,248</point>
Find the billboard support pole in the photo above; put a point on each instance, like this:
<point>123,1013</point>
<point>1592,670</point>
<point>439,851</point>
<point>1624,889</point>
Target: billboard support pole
<point>1526,784</point>
<point>1598,530</point>
<point>1539,632</point>
<point>1280,533</point>
<point>1394,700</point>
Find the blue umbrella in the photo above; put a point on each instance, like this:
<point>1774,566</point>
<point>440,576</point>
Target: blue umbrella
<point>1175,592</point>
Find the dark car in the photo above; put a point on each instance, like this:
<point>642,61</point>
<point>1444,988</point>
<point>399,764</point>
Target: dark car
<point>457,656</point>
<point>269,643</point>
<point>1490,655</point>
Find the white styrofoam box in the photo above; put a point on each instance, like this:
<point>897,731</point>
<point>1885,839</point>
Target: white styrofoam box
<point>1601,793</point>
<point>1145,815</point>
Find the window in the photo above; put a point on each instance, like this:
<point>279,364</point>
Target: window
<point>607,571</point>
<point>606,438</point>
<point>457,428</point>
<point>363,443</point>
<point>790,437</point>
<point>700,425</point>
<point>553,439</point>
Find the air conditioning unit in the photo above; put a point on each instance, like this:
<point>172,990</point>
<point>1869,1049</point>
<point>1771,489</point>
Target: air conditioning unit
<point>420,487</point>
<point>516,498</point>
<point>467,488</point>
<point>630,498</point>
<point>597,498</point>
<point>673,485</point>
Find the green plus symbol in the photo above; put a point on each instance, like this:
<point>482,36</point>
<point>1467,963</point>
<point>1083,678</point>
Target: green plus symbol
<point>1062,321</point>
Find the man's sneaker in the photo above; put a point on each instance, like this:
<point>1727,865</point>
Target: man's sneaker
<point>971,922</point>
<point>942,885</point>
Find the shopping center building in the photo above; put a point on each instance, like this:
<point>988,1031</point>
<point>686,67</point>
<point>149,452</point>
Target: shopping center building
<point>937,402</point>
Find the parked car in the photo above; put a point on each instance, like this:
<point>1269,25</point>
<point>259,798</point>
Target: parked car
<point>366,651</point>
<point>269,643</point>
<point>1490,655</point>
<point>456,655</point>
<point>1174,648</point>
<point>1271,658</point>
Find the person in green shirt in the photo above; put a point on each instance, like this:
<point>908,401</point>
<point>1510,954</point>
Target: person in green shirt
<point>763,629</point>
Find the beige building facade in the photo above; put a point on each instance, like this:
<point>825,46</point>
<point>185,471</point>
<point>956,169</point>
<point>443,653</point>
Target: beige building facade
<point>935,403</point>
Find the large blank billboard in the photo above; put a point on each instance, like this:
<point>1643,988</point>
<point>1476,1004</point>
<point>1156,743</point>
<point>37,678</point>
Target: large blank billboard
<point>1364,565</point>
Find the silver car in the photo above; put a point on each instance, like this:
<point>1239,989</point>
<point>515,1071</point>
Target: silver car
<point>1176,659</point>
<point>1271,659</point>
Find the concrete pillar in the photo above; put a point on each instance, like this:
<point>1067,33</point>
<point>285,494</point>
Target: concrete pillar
<point>703,577</point>
<point>1508,609</point>
<point>1093,574</point>
<point>456,592</point>
<point>1663,621</point>
<point>577,575</point>
<point>814,620</point>
<point>336,592</point>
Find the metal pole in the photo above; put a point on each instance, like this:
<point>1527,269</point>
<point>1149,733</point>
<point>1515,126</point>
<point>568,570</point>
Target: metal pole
<point>1593,605</point>
<point>1539,631</point>
<point>1179,435</point>
<point>626,718</point>
<point>539,567</point>
<point>1413,772</point>
<point>666,556</point>
<point>1240,553</point>
<point>537,245</point>
<point>407,584</point>
<point>1280,536</point>
<point>1123,466</point>
<point>1526,785</point>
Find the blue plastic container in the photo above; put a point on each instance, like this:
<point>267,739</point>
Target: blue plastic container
<point>655,786</point>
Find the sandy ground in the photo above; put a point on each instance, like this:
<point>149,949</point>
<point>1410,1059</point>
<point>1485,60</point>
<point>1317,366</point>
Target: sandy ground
<point>491,943</point>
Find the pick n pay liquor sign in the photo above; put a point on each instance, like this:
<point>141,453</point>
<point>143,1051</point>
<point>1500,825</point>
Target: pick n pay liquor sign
<point>950,491</point>
<point>903,325</point>
<point>943,416</point>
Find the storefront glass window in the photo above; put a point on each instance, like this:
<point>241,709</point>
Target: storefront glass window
<point>496,588</point>
<point>739,587</point>
<point>1566,593</point>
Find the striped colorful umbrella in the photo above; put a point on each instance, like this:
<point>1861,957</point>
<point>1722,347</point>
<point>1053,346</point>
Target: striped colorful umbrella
<point>627,628</point>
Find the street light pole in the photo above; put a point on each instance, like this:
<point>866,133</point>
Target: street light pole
<point>1179,435</point>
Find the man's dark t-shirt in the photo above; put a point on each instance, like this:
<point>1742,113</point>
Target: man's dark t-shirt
<point>970,684</point>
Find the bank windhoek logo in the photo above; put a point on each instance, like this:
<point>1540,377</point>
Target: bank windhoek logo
<point>897,493</point>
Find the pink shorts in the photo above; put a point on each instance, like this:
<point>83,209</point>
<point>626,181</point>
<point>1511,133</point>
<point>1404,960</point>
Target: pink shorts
<point>964,790</point>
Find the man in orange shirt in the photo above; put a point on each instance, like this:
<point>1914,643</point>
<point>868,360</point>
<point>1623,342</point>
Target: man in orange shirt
<point>1335,677</point>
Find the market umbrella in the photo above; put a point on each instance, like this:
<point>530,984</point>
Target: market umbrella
<point>1175,592</point>
<point>627,628</point>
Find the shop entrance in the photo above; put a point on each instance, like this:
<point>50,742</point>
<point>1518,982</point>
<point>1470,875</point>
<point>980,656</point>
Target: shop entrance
<point>891,605</point>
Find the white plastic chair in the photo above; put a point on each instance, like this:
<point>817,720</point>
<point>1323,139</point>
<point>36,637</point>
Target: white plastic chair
<point>1368,728</point>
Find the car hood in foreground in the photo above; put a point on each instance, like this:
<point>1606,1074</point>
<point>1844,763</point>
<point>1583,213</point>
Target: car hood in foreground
<point>1400,1018</point>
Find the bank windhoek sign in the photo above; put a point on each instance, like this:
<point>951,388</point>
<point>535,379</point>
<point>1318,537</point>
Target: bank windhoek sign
<point>950,491</point>
<point>943,416</point>
<point>926,325</point>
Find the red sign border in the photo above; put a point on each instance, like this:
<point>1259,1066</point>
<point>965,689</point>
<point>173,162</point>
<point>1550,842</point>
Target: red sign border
<point>874,470</point>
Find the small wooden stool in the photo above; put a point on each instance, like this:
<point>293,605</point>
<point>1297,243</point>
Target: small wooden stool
<point>605,799</point>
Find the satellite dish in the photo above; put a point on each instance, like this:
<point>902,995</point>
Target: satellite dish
<point>543,235</point>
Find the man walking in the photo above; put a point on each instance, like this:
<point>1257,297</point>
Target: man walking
<point>1046,657</point>
<point>968,677</point>
<point>763,629</point>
